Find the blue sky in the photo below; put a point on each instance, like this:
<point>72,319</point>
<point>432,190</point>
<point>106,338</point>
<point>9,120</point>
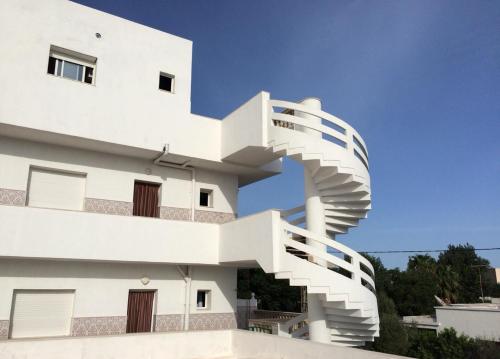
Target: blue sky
<point>419,80</point>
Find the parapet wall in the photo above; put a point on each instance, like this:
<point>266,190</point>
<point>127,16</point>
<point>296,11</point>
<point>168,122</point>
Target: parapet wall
<point>180,345</point>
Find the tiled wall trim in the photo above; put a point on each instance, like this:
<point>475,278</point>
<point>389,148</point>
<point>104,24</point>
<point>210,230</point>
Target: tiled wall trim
<point>4,329</point>
<point>85,326</point>
<point>106,206</point>
<point>12,197</point>
<point>213,217</point>
<point>209,321</point>
<point>176,214</point>
<point>97,205</point>
<point>168,322</point>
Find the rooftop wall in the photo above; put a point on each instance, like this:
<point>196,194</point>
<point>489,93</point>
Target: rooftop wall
<point>207,344</point>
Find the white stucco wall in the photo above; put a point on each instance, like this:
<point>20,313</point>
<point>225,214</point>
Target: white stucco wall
<point>112,177</point>
<point>52,233</point>
<point>124,105</point>
<point>101,289</point>
<point>180,345</point>
<point>474,322</point>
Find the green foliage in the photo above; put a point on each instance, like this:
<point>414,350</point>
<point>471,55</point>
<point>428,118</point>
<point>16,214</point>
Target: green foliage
<point>461,259</point>
<point>407,292</point>
<point>448,345</point>
<point>393,338</point>
<point>273,294</point>
<point>411,292</point>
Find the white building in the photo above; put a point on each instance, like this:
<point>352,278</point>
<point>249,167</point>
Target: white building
<point>476,320</point>
<point>118,205</point>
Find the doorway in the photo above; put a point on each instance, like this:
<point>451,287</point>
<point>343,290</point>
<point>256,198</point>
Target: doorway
<point>140,311</point>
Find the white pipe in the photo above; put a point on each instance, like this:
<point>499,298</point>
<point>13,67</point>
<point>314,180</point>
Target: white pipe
<point>157,161</point>
<point>187,294</point>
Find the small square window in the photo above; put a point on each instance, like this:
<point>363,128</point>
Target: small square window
<point>166,82</point>
<point>206,197</point>
<point>202,299</point>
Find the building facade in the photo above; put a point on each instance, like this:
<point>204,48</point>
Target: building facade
<point>476,320</point>
<point>118,205</point>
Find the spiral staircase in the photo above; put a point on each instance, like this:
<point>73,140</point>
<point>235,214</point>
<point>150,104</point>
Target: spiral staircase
<point>335,160</point>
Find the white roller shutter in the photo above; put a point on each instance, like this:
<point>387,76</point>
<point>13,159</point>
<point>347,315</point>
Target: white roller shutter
<point>41,313</point>
<point>54,189</point>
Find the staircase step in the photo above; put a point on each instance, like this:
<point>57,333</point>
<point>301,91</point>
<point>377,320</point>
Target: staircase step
<point>353,326</point>
<point>347,319</point>
<point>334,180</point>
<point>345,331</point>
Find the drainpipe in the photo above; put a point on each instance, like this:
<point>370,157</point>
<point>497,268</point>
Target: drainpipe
<point>187,294</point>
<point>160,162</point>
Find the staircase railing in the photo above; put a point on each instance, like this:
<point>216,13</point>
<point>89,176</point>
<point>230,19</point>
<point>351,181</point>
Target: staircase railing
<point>352,265</point>
<point>285,324</point>
<point>332,128</point>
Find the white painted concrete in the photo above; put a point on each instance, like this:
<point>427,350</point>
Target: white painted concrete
<point>211,344</point>
<point>112,177</point>
<point>475,320</point>
<point>101,289</point>
<point>244,131</point>
<point>124,110</point>
<point>124,104</point>
<point>50,233</point>
<point>182,345</point>
<point>252,240</point>
<point>315,223</point>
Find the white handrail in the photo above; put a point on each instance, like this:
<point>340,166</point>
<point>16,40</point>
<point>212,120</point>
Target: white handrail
<point>349,136</point>
<point>329,242</point>
<point>321,114</point>
<point>284,328</point>
<point>352,267</point>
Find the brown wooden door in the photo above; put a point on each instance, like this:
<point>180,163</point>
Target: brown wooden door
<point>140,311</point>
<point>146,199</point>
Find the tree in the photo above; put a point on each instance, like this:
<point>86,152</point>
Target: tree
<point>393,338</point>
<point>461,259</point>
<point>449,283</point>
<point>273,294</point>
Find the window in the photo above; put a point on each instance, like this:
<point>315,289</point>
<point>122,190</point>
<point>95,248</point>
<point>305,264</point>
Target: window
<point>146,199</point>
<point>50,188</point>
<point>166,82</point>
<point>206,198</point>
<point>71,65</point>
<point>203,299</point>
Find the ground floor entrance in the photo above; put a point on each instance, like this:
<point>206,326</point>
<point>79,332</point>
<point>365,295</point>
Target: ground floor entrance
<point>140,311</point>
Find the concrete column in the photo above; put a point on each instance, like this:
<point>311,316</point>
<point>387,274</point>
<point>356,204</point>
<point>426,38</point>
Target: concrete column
<point>315,222</point>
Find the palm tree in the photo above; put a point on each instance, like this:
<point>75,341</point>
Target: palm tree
<point>449,283</point>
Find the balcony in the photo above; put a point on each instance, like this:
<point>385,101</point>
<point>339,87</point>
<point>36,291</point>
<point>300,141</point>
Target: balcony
<point>60,234</point>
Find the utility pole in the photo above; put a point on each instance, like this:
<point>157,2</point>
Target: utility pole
<point>478,266</point>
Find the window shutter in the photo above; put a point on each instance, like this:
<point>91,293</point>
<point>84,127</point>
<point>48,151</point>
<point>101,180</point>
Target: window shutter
<point>41,313</point>
<point>53,189</point>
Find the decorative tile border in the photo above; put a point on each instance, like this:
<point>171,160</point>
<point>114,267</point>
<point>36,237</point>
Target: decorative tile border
<point>96,205</point>
<point>85,326</point>
<point>168,322</point>
<point>175,213</point>
<point>12,197</point>
<point>107,206</point>
<point>213,217</point>
<point>4,329</point>
<point>210,321</point>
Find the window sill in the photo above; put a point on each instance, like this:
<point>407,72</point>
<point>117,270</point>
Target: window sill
<point>72,80</point>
